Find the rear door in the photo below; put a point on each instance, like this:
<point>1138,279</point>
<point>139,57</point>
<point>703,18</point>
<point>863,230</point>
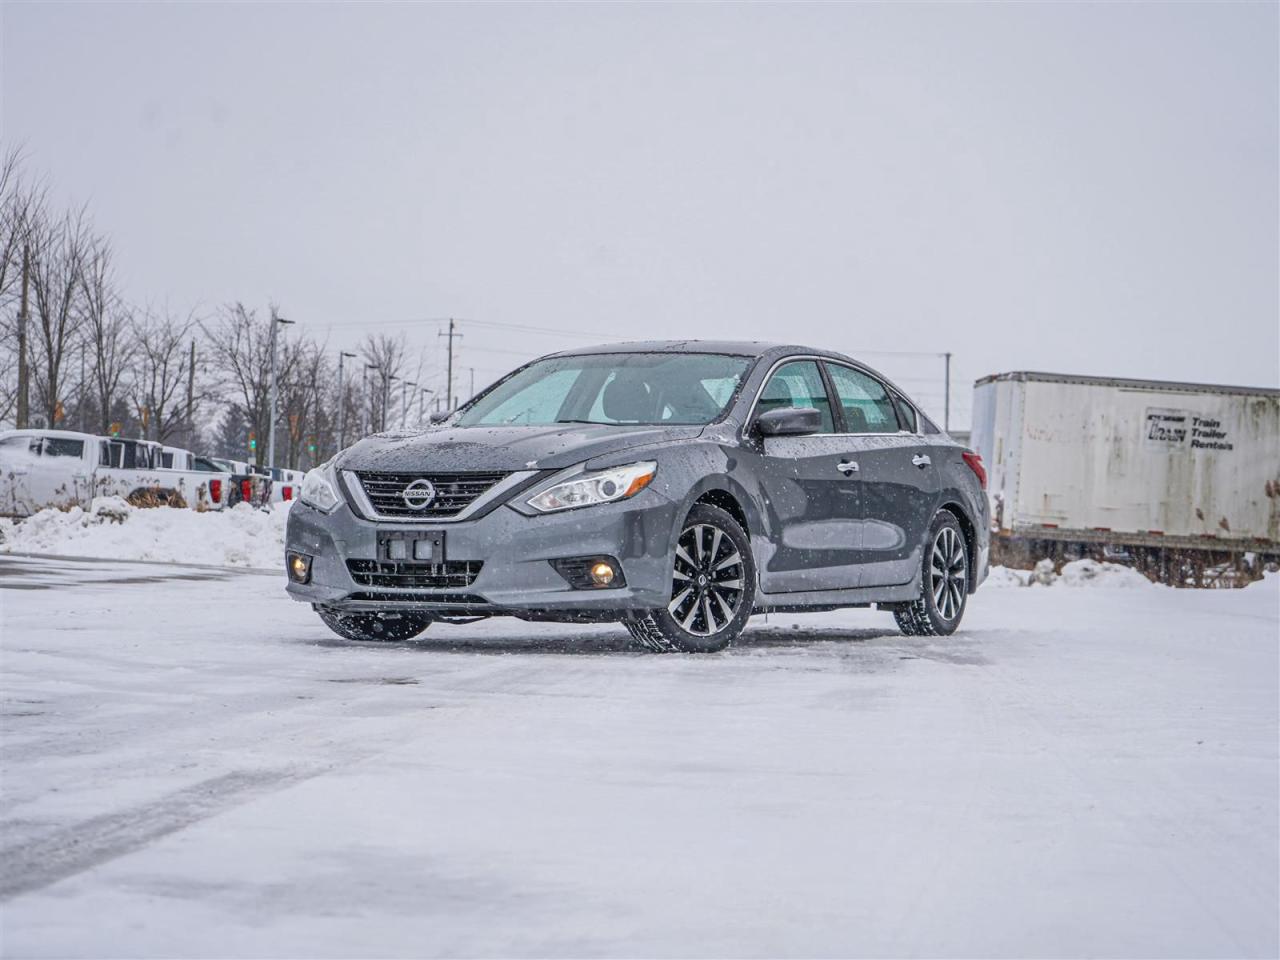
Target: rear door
<point>60,475</point>
<point>810,503</point>
<point>898,482</point>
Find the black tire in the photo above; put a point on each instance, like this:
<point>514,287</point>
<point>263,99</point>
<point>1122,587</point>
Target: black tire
<point>374,626</point>
<point>944,582</point>
<point>713,588</point>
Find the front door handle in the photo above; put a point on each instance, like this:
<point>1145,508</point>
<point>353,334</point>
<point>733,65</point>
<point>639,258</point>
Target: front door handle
<point>847,467</point>
<point>921,461</point>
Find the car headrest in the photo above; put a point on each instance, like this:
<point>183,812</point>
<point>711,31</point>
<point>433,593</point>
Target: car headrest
<point>855,421</point>
<point>625,400</point>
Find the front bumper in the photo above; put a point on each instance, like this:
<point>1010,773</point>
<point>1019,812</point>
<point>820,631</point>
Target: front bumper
<point>516,576</point>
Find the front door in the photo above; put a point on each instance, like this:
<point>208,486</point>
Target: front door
<point>810,502</point>
<point>898,481</point>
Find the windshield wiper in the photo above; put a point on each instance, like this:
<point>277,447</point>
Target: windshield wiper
<point>598,423</point>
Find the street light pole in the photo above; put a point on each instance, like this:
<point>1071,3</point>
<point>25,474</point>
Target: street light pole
<point>404,401</point>
<point>366,404</point>
<point>386,400</point>
<point>342,399</point>
<point>276,323</point>
<point>946,389</point>
<point>422,403</point>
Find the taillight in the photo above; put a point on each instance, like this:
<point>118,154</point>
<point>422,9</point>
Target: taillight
<point>975,464</point>
<point>286,493</point>
<point>246,490</point>
<point>215,491</point>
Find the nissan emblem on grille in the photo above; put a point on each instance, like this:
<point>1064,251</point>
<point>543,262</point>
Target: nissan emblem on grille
<point>419,494</point>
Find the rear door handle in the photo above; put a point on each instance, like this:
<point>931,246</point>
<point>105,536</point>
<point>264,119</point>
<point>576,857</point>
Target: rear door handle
<point>921,461</point>
<point>847,467</point>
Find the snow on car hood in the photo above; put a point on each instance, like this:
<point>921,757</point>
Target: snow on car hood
<point>503,448</point>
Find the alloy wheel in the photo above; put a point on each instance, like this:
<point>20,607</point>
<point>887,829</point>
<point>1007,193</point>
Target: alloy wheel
<point>948,573</point>
<point>707,584</point>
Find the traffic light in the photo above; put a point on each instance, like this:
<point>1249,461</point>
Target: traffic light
<point>311,448</point>
<point>253,440</point>
<point>115,428</point>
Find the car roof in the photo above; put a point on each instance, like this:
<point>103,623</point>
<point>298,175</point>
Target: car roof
<point>38,432</point>
<point>739,348</point>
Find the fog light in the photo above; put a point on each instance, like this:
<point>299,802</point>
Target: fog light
<point>299,565</point>
<point>591,573</point>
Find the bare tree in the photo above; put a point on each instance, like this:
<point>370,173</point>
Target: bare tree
<point>160,377</point>
<point>21,204</point>
<point>58,249</point>
<point>303,396</point>
<point>239,346</point>
<point>107,327</point>
<point>386,354</point>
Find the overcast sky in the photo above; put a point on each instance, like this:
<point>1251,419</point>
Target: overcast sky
<point>1076,188</point>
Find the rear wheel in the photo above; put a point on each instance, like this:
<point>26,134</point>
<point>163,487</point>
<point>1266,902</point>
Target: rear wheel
<point>945,583</point>
<point>712,588</point>
<point>374,626</point>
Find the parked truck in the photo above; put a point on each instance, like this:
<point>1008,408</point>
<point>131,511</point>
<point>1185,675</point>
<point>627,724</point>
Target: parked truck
<point>1181,480</point>
<point>62,468</point>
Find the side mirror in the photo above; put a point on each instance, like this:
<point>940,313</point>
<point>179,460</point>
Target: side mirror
<point>789,422</point>
<point>440,416</point>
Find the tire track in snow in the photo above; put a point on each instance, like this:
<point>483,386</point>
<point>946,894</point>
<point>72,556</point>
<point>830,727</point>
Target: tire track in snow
<point>34,864</point>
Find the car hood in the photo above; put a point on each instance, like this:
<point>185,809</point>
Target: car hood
<point>460,449</point>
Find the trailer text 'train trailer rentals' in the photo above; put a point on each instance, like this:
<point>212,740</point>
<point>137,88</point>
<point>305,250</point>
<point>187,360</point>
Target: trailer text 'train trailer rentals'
<point>1175,475</point>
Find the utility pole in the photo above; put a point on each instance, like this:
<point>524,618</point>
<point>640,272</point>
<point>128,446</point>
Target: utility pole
<point>946,401</point>
<point>23,411</point>
<point>473,383</point>
<point>342,399</point>
<point>448,387</point>
<point>404,401</point>
<point>191,394</point>
<point>422,403</point>
<point>276,323</point>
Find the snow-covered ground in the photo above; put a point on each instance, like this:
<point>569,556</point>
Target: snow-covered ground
<point>193,766</point>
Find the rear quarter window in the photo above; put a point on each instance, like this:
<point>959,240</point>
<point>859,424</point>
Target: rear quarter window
<point>906,414</point>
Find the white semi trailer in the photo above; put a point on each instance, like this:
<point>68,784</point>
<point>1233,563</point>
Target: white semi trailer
<point>1178,478</point>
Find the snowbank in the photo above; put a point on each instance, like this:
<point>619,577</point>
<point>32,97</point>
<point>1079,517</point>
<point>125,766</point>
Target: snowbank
<point>1077,573</point>
<point>241,536</point>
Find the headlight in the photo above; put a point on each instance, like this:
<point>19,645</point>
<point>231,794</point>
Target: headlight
<point>320,489</point>
<point>591,488</point>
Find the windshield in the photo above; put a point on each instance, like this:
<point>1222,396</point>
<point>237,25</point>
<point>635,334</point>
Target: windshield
<point>612,388</point>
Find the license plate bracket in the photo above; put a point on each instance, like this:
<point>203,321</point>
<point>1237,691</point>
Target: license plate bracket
<point>419,547</point>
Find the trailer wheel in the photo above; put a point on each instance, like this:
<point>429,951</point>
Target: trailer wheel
<point>944,583</point>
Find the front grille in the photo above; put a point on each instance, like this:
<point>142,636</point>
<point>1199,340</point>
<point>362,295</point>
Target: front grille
<point>454,492</point>
<point>415,576</point>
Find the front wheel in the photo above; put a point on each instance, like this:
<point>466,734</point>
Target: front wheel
<point>373,626</point>
<point>944,586</point>
<point>713,588</point>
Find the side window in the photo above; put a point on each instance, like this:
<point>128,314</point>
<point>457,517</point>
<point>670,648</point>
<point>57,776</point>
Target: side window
<point>104,454</point>
<point>63,447</point>
<point>864,401</point>
<point>797,384</point>
<point>906,413</point>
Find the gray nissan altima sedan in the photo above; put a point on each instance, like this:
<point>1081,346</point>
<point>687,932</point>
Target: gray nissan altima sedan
<point>677,487</point>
